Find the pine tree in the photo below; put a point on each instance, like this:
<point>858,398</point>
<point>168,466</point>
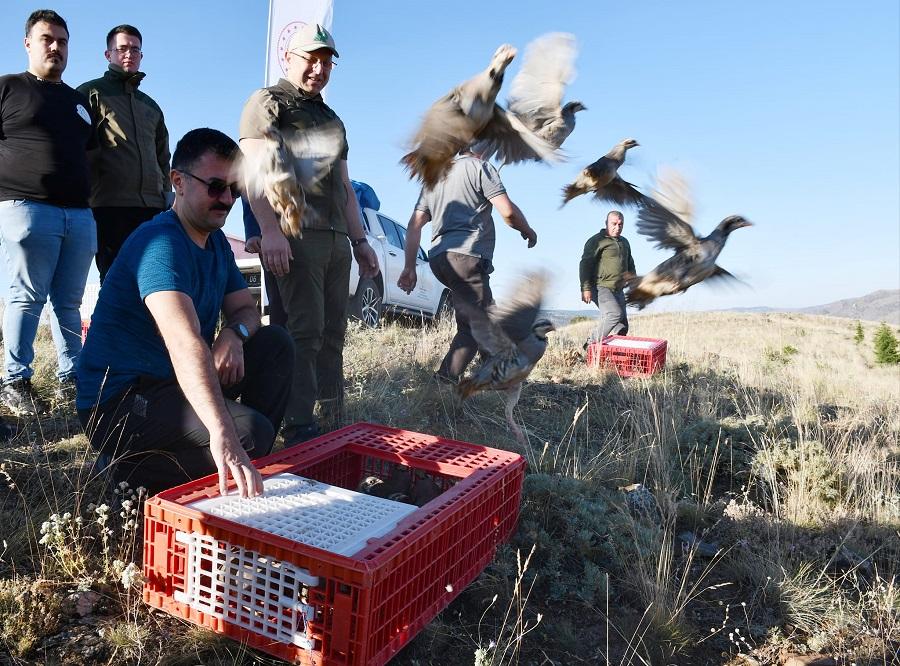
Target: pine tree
<point>886,346</point>
<point>860,336</point>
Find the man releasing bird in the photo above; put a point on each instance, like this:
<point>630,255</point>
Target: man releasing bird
<point>602,177</point>
<point>666,218</point>
<point>469,113</point>
<point>537,92</point>
<point>515,339</point>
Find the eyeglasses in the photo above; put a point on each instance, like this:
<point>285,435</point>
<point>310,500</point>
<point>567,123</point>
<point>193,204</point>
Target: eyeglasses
<point>133,50</point>
<point>215,187</point>
<point>324,64</point>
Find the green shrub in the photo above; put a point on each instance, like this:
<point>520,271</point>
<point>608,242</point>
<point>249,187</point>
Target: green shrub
<point>804,468</point>
<point>886,351</point>
<point>581,534</point>
<point>722,448</point>
<point>29,611</point>
<point>782,356</point>
<point>859,336</point>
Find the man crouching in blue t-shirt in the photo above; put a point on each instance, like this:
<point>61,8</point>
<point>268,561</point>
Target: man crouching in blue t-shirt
<point>156,391</point>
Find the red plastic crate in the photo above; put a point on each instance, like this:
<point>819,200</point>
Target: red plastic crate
<point>315,607</point>
<point>628,356</point>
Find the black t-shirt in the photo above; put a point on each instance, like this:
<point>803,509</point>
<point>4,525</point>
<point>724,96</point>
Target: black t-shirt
<point>45,132</point>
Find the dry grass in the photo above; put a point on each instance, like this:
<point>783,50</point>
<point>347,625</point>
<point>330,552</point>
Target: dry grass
<point>767,517</point>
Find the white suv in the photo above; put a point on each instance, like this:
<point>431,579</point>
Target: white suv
<point>371,297</point>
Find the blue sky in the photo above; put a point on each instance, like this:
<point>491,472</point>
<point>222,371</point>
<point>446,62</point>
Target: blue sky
<point>784,112</point>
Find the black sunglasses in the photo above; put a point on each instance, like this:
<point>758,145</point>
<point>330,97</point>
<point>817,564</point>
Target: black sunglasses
<point>216,187</point>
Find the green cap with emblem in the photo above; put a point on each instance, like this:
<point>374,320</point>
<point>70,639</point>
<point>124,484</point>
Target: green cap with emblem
<point>312,37</point>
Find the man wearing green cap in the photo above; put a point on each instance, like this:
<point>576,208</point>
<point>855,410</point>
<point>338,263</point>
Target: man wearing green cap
<point>313,272</point>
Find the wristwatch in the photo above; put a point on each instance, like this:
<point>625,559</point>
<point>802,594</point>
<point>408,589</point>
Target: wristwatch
<point>358,241</point>
<point>242,332</point>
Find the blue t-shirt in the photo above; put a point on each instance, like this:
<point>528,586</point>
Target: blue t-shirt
<point>123,342</point>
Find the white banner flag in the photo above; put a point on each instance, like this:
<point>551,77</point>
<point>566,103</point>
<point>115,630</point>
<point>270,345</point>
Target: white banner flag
<point>285,16</point>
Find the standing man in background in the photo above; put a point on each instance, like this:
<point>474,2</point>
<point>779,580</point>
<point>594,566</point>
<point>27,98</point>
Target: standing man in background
<point>313,272</point>
<point>47,230</point>
<point>606,264</point>
<point>130,167</point>
<point>462,245</point>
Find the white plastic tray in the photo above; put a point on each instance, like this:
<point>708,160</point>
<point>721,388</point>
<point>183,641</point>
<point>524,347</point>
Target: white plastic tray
<point>317,514</point>
<point>631,344</point>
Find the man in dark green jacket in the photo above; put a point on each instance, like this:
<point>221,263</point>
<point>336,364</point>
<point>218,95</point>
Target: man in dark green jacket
<point>605,266</point>
<point>130,168</point>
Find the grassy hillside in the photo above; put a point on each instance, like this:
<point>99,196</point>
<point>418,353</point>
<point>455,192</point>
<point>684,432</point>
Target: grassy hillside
<point>746,501</point>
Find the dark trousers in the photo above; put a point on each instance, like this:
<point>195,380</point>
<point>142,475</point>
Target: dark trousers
<point>114,226</point>
<point>468,280</point>
<point>155,437</point>
<point>315,294</point>
<point>277,315</point>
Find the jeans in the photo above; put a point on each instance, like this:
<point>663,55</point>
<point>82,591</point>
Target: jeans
<point>155,437</point>
<point>315,294</point>
<point>48,252</point>
<point>468,280</point>
<point>613,319</point>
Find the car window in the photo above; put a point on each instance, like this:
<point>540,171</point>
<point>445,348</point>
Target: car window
<point>390,232</point>
<point>401,232</point>
<point>365,220</point>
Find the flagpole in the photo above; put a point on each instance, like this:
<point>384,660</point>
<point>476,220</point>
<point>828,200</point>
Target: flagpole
<point>268,45</point>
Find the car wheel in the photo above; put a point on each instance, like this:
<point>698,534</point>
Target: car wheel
<point>367,304</point>
<point>445,306</point>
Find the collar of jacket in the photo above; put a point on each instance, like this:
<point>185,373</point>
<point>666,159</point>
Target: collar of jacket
<point>129,80</point>
<point>605,234</point>
<point>294,90</point>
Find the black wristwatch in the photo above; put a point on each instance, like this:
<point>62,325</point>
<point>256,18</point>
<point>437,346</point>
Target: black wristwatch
<point>242,332</point>
<point>358,241</point>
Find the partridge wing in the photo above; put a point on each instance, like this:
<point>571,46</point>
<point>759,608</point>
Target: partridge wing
<point>314,152</point>
<point>665,218</point>
<point>444,131</point>
<point>516,316</point>
<point>489,335</point>
<point>509,140</point>
<point>537,91</point>
<point>620,191</point>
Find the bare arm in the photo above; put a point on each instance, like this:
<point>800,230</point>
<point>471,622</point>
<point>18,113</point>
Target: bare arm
<point>228,348</point>
<point>514,218</point>
<point>274,250</point>
<point>177,321</point>
<point>365,255</point>
<point>408,277</point>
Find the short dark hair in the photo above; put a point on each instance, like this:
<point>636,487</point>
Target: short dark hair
<point>196,143</point>
<point>47,16</point>
<point>125,29</point>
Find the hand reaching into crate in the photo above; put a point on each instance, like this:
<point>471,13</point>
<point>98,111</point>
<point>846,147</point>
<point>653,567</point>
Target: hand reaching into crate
<point>230,457</point>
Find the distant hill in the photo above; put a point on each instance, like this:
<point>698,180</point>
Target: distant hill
<point>882,305</point>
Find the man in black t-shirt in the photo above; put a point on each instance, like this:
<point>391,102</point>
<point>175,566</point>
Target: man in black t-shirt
<point>47,230</point>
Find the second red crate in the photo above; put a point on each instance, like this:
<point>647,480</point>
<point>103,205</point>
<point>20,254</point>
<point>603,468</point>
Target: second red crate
<point>628,356</point>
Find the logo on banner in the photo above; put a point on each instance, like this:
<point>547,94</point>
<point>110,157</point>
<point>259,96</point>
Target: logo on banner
<point>284,38</point>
